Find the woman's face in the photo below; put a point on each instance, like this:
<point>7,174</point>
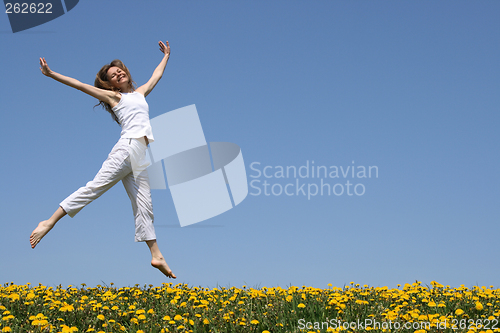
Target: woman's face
<point>117,77</point>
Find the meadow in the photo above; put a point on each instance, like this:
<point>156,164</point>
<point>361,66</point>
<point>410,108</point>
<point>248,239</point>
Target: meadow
<point>180,308</point>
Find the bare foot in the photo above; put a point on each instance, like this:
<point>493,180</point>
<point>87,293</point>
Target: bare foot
<point>39,232</point>
<point>161,264</point>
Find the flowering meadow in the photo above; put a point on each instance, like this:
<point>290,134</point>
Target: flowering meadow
<point>179,308</point>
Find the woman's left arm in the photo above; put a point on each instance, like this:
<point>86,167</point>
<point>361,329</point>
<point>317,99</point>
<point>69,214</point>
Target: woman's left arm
<point>158,73</point>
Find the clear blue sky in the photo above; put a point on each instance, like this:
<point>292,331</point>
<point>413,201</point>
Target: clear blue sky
<point>410,87</point>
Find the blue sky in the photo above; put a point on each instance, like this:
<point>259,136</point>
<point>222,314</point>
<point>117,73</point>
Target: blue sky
<point>409,87</point>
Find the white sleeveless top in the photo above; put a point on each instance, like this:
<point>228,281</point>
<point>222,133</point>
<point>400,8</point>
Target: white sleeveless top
<point>133,114</point>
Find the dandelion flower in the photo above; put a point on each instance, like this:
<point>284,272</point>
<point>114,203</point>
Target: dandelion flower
<point>66,307</point>
<point>301,305</point>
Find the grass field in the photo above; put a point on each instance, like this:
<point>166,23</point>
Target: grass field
<point>180,308</point>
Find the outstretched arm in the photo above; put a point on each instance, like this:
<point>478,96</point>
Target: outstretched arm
<point>158,73</point>
<point>107,96</point>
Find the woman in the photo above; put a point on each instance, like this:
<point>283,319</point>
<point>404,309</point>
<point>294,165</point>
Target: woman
<point>115,91</point>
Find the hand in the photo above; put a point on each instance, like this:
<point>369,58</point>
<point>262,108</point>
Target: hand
<point>164,49</point>
<point>45,68</point>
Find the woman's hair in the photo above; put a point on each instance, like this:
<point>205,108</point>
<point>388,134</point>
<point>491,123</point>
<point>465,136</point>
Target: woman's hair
<point>102,82</point>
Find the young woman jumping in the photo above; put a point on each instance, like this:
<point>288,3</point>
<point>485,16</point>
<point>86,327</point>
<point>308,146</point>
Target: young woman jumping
<point>114,88</point>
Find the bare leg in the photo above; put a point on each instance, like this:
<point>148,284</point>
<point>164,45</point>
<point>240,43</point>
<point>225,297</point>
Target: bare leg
<point>45,226</point>
<point>157,259</point>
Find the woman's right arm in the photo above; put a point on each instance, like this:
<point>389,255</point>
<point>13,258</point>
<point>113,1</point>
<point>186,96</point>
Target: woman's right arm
<point>107,96</point>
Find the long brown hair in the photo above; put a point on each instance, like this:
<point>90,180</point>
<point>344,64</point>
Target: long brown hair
<point>102,82</point>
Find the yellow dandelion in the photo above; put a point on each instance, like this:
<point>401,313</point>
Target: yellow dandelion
<point>66,307</point>
<point>100,317</point>
<point>254,322</point>
<point>177,317</point>
<point>206,321</point>
<point>458,312</point>
<point>301,305</point>
<point>479,306</point>
<point>6,329</point>
<point>67,329</point>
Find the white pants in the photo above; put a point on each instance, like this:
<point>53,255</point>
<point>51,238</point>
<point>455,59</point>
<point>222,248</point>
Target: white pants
<point>121,164</point>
